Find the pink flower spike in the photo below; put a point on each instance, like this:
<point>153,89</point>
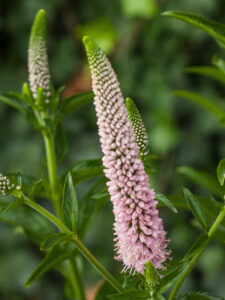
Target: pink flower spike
<point>140,236</point>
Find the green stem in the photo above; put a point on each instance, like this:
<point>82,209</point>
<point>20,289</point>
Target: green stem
<point>76,281</point>
<point>197,255</point>
<point>55,195</point>
<point>52,170</point>
<point>83,250</point>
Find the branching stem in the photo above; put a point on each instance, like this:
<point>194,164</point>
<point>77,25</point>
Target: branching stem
<point>80,246</point>
<point>197,255</point>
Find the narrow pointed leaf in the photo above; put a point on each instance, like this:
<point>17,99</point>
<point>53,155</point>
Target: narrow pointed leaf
<point>86,169</point>
<point>221,171</point>
<point>214,29</point>
<point>202,178</point>
<point>208,104</point>
<point>12,101</point>
<point>196,209</point>
<point>55,256</point>
<point>53,240</point>
<point>171,277</point>
<point>11,206</point>
<point>69,204</point>
<point>163,200</point>
<point>35,225</point>
<point>74,102</point>
<point>90,206</point>
<point>207,71</point>
<point>201,242</point>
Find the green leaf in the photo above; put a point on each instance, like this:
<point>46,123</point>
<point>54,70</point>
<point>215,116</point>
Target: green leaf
<point>211,207</point>
<point>12,101</point>
<point>55,256</point>
<point>202,178</point>
<point>61,145</point>
<point>221,171</point>
<point>171,276</point>
<point>208,104</point>
<point>214,29</point>
<point>128,295</point>
<point>196,209</point>
<point>163,200</point>
<point>54,239</point>
<point>208,71</point>
<point>201,242</point>
<point>69,204</point>
<point>86,169</point>
<point>220,63</point>
<point>34,224</point>
<point>198,296</point>
<point>90,206</point>
<point>10,206</point>
<point>72,103</point>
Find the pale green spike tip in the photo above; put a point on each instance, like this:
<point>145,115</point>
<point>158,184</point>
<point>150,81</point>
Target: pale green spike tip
<point>89,43</point>
<point>130,105</point>
<point>39,26</point>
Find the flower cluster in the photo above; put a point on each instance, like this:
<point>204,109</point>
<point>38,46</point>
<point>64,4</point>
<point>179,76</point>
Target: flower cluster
<point>39,76</point>
<point>140,236</point>
<point>138,126</point>
<point>5,186</point>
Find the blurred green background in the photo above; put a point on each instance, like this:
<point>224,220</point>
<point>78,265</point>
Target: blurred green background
<point>149,54</point>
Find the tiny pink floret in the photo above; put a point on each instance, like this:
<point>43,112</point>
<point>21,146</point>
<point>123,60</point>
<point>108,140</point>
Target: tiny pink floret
<point>140,236</point>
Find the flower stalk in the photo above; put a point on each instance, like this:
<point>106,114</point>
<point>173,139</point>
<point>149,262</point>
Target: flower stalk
<point>80,246</point>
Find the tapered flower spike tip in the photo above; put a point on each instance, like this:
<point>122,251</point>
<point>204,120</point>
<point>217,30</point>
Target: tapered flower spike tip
<point>138,127</point>
<point>39,27</point>
<point>88,42</point>
<point>39,76</point>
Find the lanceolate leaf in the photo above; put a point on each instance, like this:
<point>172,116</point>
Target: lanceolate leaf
<point>53,240</point>
<point>214,29</point>
<point>204,179</point>
<point>74,102</point>
<point>69,204</point>
<point>221,171</point>
<point>196,209</point>
<point>201,242</point>
<point>210,206</point>
<point>56,255</point>
<point>208,104</point>
<point>86,169</point>
<point>90,206</point>
<point>171,277</point>
<point>163,200</point>
<point>208,72</point>
<point>34,224</point>
<point>12,101</point>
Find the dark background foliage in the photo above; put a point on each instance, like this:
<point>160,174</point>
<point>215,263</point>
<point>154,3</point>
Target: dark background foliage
<point>149,53</point>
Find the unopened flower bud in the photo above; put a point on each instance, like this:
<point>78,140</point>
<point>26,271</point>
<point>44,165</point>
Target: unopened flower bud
<point>5,185</point>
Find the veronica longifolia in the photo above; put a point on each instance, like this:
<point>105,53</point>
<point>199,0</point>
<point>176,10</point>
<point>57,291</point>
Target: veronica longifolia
<point>140,236</point>
<point>39,76</point>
